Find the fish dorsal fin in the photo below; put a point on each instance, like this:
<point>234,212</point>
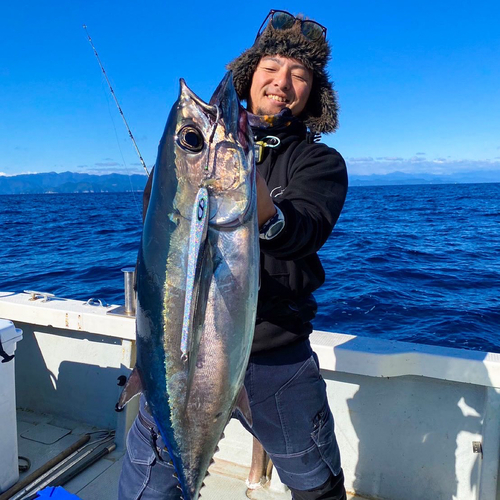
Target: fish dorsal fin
<point>132,388</point>
<point>243,406</point>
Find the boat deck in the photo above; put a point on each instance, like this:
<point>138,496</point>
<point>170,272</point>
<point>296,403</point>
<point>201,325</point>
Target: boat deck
<point>43,437</point>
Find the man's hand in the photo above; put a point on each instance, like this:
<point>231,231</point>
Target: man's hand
<point>265,205</point>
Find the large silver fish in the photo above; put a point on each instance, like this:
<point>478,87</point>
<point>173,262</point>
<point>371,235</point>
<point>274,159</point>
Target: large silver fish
<point>197,279</point>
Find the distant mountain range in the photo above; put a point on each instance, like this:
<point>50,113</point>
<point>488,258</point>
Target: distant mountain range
<point>71,182</point>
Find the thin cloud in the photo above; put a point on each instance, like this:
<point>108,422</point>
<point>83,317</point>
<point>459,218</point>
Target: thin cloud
<point>108,164</point>
<point>3,174</point>
<point>113,170</point>
<point>387,165</point>
<point>361,159</point>
<point>389,158</point>
<point>420,154</point>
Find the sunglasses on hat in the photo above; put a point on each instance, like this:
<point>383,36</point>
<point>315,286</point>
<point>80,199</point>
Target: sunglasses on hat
<point>283,20</point>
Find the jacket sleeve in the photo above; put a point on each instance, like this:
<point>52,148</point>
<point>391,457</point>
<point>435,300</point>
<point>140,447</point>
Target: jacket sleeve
<point>311,202</point>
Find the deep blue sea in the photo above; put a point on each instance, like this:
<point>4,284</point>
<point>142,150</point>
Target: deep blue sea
<point>413,263</point>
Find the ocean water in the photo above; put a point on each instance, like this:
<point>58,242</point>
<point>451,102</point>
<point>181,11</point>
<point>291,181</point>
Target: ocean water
<point>412,263</point>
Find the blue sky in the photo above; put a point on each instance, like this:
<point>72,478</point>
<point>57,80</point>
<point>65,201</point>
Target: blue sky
<point>418,82</point>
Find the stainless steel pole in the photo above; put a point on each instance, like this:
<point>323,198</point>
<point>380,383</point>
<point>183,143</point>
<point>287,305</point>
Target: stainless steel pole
<point>130,301</point>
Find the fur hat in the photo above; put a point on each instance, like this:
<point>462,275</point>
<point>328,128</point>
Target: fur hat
<point>320,113</point>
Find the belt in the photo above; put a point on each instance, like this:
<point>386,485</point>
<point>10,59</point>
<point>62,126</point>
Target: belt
<point>144,421</point>
<point>153,436</point>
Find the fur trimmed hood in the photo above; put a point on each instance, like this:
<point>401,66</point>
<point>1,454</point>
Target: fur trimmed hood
<point>320,113</point>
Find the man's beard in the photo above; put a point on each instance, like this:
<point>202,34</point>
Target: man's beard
<point>262,112</point>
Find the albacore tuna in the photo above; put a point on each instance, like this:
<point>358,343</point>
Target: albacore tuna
<point>197,279</point>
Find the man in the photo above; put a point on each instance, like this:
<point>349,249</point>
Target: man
<point>301,188</point>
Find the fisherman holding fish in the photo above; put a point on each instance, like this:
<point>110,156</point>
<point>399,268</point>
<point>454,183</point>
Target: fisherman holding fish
<point>301,188</point>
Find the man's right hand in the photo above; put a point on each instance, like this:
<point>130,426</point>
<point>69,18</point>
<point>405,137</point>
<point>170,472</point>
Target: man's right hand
<point>265,205</point>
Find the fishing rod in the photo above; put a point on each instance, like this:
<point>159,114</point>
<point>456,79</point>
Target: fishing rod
<point>116,100</point>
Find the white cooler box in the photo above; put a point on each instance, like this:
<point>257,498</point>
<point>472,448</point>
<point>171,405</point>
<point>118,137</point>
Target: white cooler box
<point>9,472</point>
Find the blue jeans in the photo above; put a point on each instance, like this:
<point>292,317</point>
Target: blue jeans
<point>143,476</point>
<point>291,418</point>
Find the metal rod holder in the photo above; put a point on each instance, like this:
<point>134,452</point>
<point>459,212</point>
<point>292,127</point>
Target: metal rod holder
<point>130,299</point>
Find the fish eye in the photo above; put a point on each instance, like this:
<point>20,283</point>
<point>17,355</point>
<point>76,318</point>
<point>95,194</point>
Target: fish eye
<point>190,138</point>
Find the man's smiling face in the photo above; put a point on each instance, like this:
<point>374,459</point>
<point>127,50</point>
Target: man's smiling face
<point>279,82</point>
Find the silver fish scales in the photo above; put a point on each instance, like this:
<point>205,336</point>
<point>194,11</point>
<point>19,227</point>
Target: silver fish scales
<point>197,279</point>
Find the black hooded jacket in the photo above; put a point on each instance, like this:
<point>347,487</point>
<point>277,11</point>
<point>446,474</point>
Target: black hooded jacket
<point>308,182</point>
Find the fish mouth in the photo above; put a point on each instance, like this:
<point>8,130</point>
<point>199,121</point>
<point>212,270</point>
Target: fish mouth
<point>186,92</point>
<point>230,205</point>
<point>224,105</point>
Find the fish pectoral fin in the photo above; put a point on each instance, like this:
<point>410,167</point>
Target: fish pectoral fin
<point>243,406</point>
<point>196,245</point>
<point>132,388</point>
